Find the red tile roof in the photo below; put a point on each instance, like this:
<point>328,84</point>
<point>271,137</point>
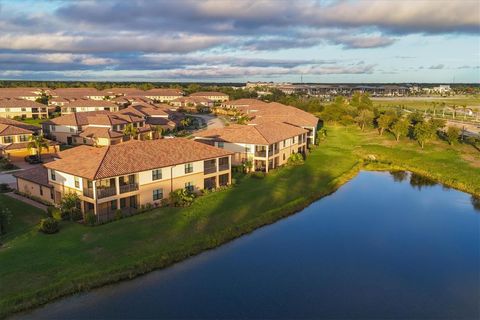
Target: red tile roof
<point>131,157</point>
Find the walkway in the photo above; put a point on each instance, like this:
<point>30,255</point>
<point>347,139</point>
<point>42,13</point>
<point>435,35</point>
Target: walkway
<point>27,200</point>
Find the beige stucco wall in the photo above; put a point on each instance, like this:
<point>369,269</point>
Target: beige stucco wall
<point>34,189</point>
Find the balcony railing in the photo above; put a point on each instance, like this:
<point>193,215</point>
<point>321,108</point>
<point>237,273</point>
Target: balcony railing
<point>261,153</point>
<point>223,167</point>
<point>128,187</point>
<point>209,169</point>
<point>106,192</point>
<point>88,193</point>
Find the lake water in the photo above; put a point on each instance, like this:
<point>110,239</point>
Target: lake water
<point>382,246</point>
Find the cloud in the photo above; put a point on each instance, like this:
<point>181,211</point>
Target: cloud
<point>437,67</point>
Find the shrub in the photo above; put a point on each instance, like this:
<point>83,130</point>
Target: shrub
<point>54,213</point>
<point>258,175</point>
<point>295,159</point>
<point>90,218</point>
<point>48,225</point>
<point>118,214</point>
<point>148,206</point>
<point>181,198</point>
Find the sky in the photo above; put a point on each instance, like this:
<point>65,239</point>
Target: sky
<point>374,41</point>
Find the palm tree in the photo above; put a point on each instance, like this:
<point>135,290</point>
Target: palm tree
<point>185,122</point>
<point>38,143</point>
<point>130,131</point>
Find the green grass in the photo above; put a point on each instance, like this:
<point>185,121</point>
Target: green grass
<point>34,122</point>
<point>422,103</point>
<point>36,268</point>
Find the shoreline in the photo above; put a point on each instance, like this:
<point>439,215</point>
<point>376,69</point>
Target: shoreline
<point>152,263</point>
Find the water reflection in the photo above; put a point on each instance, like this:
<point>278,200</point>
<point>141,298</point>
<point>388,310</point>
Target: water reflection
<point>399,176</point>
<point>475,203</point>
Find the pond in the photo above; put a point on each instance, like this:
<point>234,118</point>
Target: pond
<point>383,246</point>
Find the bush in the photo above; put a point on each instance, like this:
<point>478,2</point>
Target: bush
<point>118,214</point>
<point>76,215</point>
<point>54,213</point>
<point>48,225</point>
<point>90,219</point>
<point>258,175</point>
<point>295,159</point>
<point>181,198</point>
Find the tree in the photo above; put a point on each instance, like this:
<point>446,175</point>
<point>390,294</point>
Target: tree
<point>69,205</point>
<point>364,118</point>
<point>384,122</point>
<point>37,143</point>
<point>452,134</point>
<point>185,122</point>
<point>130,131</point>
<point>400,128</point>
<point>423,132</point>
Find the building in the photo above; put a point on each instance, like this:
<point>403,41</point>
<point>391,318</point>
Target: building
<point>14,139</point>
<point>192,103</point>
<point>259,112</point>
<point>85,105</point>
<point>34,183</point>
<point>22,108</point>
<point>155,115</point>
<point>211,95</point>
<point>267,146</point>
<point>80,93</point>
<point>98,128</point>
<point>163,95</point>
<point>129,175</point>
<point>30,94</point>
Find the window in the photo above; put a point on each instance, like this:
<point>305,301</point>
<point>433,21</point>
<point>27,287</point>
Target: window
<point>157,174</point>
<point>52,128</point>
<point>220,145</point>
<point>23,138</point>
<point>247,149</point>
<point>72,129</point>
<point>293,140</point>
<point>157,194</point>
<point>41,191</point>
<point>24,109</point>
<point>113,205</point>
<point>52,175</point>
<point>284,156</point>
<point>8,139</point>
<point>284,143</point>
<point>188,167</point>
<point>7,109</point>
<point>77,182</point>
<point>189,186</point>
<point>223,179</point>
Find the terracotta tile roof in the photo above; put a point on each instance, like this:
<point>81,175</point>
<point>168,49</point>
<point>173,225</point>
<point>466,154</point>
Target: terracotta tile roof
<point>208,94</point>
<point>193,99</point>
<point>19,124</point>
<point>20,103</point>
<point>10,130</point>
<point>163,92</point>
<point>74,119</point>
<point>90,103</point>
<point>112,119</point>
<point>19,92</point>
<point>100,132</point>
<point>76,92</point>
<point>37,175</point>
<point>266,133</point>
<point>131,157</point>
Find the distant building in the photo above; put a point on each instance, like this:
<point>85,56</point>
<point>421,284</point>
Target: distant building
<point>22,108</point>
<point>214,96</point>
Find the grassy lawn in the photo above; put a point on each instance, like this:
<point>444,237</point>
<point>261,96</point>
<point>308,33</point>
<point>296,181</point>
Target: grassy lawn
<point>36,268</point>
<point>34,122</point>
<point>427,102</point>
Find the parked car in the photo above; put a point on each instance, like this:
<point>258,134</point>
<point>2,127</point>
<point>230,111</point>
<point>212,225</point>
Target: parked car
<point>33,159</point>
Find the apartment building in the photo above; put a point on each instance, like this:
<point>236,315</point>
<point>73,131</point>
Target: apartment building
<point>128,175</point>
<point>14,139</point>
<point>267,145</point>
<point>79,93</point>
<point>260,112</point>
<point>23,93</point>
<point>85,105</point>
<point>98,128</point>
<point>192,102</point>
<point>212,95</point>
<point>163,95</point>
<point>22,108</point>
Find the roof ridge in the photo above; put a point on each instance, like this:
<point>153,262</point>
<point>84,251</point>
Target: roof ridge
<point>262,135</point>
<point>101,161</point>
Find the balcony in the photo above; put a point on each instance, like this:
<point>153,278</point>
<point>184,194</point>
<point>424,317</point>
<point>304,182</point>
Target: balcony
<point>209,169</point>
<point>261,153</point>
<point>128,187</point>
<point>88,193</point>
<point>106,192</point>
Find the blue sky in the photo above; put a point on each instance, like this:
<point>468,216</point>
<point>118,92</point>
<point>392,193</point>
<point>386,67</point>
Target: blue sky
<point>227,40</point>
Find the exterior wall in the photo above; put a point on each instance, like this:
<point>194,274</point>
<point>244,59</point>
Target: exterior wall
<point>35,189</point>
<point>163,98</point>
<point>68,110</point>
<point>27,113</point>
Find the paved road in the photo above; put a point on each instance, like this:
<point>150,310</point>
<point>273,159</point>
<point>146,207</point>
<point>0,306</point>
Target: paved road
<point>9,179</point>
